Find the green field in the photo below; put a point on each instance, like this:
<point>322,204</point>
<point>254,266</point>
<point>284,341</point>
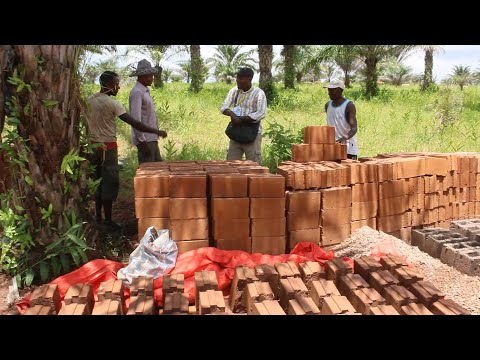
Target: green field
<point>399,119</point>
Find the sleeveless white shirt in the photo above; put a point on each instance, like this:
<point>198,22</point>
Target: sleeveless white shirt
<point>336,116</point>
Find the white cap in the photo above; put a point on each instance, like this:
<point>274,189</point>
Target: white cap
<point>335,83</point>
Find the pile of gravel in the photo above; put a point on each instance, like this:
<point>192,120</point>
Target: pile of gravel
<point>461,288</point>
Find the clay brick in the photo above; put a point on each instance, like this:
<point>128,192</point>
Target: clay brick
<point>289,287</point>
<point>188,186</point>
<point>364,210</point>
<point>364,192</point>
<point>320,289</point>
<point>108,307</point>
<point>39,310</point>
<point>268,307</point>
<point>407,275</point>
<point>337,267</point>
<point>268,227</point>
<point>300,153</point>
<point>355,225</point>
<point>391,223</point>
<point>268,273</point>
<point>228,186</point>
<point>393,188</point>
<point>447,307</point>
<point>152,186</point>
<point>340,151</point>
<point>173,283</point>
<point>406,234</point>
<point>409,167</point>
<point>272,245</point>
<point>392,206</point>
<point>347,284</point>
<point>271,186</point>
<point>311,271</point>
<point>316,152</point>
<point>152,208</point>
<point>158,223</point>
<point>287,269</point>
<point>75,309</point>
<point>383,310</point>
<point>231,228</point>
<point>306,235</point>
<point>80,294</point>
<point>335,217</point>
<point>204,280</point>
<point>267,208</point>
<point>142,285</point>
<point>381,279</point>
<point>211,302</point>
<point>302,306</point>
<point>244,244</point>
<point>188,208</point>
<point>335,235</point>
<point>142,305</point>
<point>391,262</point>
<point>335,305</point>
<point>299,221</point>
<point>329,152</point>
<point>319,135</point>
<point>365,265</point>
<point>426,293</point>
<point>398,296</point>
<point>187,245</point>
<point>436,166</point>
<point>243,276</point>
<point>230,208</point>
<point>257,292</point>
<point>112,289</point>
<point>431,201</point>
<point>175,303</point>
<point>339,197</point>
<point>46,295</point>
<point>365,298</point>
<point>303,202</point>
<point>414,309</point>
<point>191,229</point>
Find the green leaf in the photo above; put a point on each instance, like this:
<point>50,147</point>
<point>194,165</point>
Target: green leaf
<point>50,208</point>
<point>44,271</point>
<point>29,180</point>
<point>48,103</point>
<point>29,277</point>
<point>19,208</point>
<point>20,87</point>
<point>76,257</point>
<point>77,240</point>
<point>83,255</point>
<point>65,260</point>
<point>19,280</point>
<point>53,245</point>
<point>56,266</point>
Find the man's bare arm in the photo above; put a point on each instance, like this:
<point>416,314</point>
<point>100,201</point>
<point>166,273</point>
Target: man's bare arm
<point>141,126</point>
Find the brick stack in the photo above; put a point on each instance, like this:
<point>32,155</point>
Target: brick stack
<point>114,290</point>
<point>175,301</point>
<point>319,145</point>
<point>45,300</point>
<point>267,213</point>
<point>335,215</point>
<point>80,294</point>
<point>141,296</point>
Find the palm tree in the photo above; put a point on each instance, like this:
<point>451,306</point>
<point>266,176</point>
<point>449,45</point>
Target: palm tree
<point>227,59</point>
<point>329,70</point>
<point>265,57</point>
<point>429,50</point>
<point>155,54</point>
<point>396,73</point>
<point>372,55</point>
<point>288,54</point>
<point>197,69</point>
<point>461,76</point>
<point>345,56</point>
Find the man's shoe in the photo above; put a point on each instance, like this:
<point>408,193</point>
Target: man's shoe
<point>110,225</point>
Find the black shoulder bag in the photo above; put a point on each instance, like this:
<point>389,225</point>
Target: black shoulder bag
<point>243,133</point>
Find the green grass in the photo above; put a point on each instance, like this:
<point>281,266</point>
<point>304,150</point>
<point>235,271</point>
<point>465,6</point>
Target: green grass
<point>399,119</point>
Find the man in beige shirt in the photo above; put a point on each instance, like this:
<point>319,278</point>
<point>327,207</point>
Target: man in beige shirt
<point>102,111</point>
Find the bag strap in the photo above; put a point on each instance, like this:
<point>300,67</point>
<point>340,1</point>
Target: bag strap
<point>236,98</point>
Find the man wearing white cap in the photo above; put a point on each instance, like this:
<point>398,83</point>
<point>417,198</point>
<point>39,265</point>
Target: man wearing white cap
<point>142,108</point>
<point>342,114</point>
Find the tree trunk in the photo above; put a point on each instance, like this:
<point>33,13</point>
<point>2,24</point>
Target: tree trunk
<point>347,79</point>
<point>461,87</point>
<point>197,76</point>
<point>265,56</point>
<point>157,79</point>
<point>289,74</point>
<point>49,116</point>
<point>428,74</point>
<point>371,88</point>
<point>299,77</point>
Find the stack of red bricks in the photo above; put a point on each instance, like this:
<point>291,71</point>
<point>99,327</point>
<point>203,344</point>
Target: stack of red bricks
<point>173,195</point>
<point>319,145</point>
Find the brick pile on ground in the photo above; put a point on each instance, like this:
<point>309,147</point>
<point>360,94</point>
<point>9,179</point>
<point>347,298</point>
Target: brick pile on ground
<point>459,287</point>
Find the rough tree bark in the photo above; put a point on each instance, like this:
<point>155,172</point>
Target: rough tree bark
<point>265,55</point>
<point>289,74</point>
<point>51,128</point>
<point>428,74</point>
<point>371,88</point>
<point>157,79</point>
<point>197,77</point>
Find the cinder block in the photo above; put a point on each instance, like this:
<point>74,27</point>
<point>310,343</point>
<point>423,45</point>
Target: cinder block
<point>468,262</point>
<point>449,253</point>
<point>435,242</point>
<point>418,236</point>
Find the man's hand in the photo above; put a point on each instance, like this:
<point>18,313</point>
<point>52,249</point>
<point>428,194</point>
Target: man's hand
<point>162,133</point>
<point>144,146</point>
<point>235,119</point>
<point>342,140</point>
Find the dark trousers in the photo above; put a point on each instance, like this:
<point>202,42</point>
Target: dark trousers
<point>154,155</point>
<point>106,168</point>
<point>352,157</point>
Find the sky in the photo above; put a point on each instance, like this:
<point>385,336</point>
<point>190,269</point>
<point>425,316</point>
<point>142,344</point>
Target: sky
<point>467,55</point>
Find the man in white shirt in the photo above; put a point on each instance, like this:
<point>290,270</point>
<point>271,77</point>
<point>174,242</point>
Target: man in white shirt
<point>342,114</point>
<point>142,108</point>
<point>249,106</point>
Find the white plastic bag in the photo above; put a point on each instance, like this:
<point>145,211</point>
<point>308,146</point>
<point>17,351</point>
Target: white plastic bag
<point>155,255</point>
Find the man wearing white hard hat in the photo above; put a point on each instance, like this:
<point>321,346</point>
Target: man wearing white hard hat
<point>342,114</point>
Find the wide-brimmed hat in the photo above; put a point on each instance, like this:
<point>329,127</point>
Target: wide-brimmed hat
<point>144,67</point>
<point>335,83</point>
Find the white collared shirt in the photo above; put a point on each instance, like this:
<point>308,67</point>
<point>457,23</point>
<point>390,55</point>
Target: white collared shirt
<point>142,109</point>
<point>251,103</point>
